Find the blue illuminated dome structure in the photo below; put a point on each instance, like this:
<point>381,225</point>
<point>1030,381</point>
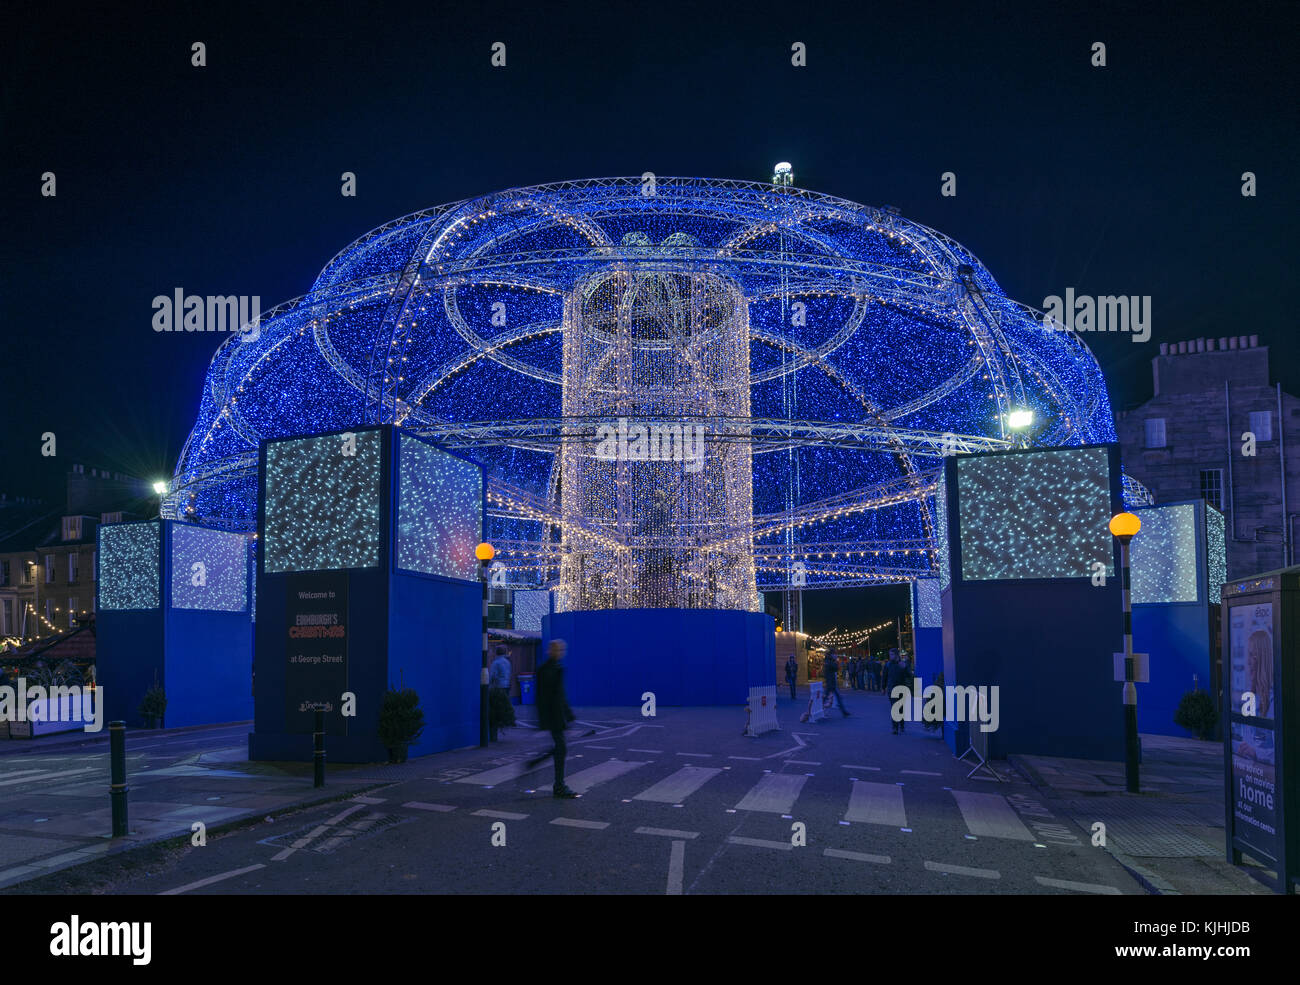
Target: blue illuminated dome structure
<point>684,391</point>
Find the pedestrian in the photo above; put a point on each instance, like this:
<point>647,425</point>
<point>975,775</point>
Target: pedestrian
<point>897,675</point>
<point>501,713</point>
<point>829,670</point>
<point>554,713</point>
<point>862,674</point>
<point>791,673</point>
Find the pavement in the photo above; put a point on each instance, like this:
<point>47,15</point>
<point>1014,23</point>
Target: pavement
<point>1170,835</point>
<point>679,803</point>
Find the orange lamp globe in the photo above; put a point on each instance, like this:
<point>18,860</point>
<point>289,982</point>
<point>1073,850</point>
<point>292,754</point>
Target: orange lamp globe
<point>485,552</point>
<point>1125,524</point>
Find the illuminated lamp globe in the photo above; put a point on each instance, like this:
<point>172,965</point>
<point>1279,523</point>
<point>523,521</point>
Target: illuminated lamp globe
<point>1020,419</point>
<point>1125,525</point>
<point>485,552</point>
<point>160,487</point>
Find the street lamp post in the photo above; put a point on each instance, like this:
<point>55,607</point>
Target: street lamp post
<point>485,552</point>
<point>1124,526</point>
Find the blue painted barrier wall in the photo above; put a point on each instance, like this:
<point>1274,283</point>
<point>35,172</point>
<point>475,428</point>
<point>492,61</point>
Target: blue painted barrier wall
<point>684,656</point>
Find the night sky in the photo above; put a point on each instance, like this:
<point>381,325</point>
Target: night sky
<point>225,179</point>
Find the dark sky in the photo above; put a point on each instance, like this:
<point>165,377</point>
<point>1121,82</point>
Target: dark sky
<point>225,179</point>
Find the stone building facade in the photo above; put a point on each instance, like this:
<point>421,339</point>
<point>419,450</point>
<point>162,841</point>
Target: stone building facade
<point>1217,429</point>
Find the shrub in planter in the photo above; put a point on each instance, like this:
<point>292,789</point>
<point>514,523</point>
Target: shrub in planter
<point>154,705</point>
<point>401,721</point>
<point>1196,714</point>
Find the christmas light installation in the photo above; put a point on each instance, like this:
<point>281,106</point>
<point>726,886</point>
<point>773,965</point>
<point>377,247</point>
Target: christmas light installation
<point>828,353</point>
<point>129,575</point>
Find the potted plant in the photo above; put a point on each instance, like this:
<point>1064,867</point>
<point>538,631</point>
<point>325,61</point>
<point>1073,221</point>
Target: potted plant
<point>1196,714</point>
<point>401,721</point>
<point>154,706</point>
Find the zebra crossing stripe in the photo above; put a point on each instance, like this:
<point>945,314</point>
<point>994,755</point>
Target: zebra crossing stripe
<point>782,846</point>
<point>856,856</point>
<point>876,803</point>
<point>676,788</point>
<point>502,774</point>
<point>774,794</point>
<point>584,780</point>
<point>988,815</point>
<point>962,870</point>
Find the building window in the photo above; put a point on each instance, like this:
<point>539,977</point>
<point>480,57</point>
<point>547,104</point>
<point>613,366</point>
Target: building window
<point>72,528</point>
<point>7,618</point>
<point>1212,487</point>
<point>94,572</point>
<point>1261,425</point>
<point>1155,428</point>
<point>74,559</point>
<point>49,611</point>
<point>72,612</point>
<point>49,569</point>
<point>4,572</point>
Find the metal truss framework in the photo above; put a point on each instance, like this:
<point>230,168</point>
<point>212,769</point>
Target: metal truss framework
<point>873,346</point>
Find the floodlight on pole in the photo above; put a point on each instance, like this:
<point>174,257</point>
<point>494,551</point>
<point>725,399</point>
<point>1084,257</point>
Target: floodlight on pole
<point>160,487</point>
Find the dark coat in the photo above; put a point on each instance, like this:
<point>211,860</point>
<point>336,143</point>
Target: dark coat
<point>829,669</point>
<point>896,673</point>
<point>553,711</point>
<point>791,669</point>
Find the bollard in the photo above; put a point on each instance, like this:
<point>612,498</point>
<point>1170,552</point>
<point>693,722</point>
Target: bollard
<point>319,756</point>
<point>117,775</point>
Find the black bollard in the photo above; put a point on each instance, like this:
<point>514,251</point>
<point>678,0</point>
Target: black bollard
<point>117,772</point>
<point>320,749</point>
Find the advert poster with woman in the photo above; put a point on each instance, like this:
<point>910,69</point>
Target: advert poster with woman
<point>1251,691</point>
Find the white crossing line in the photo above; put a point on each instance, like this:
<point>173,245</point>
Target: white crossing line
<point>584,780</point>
<point>339,817</point>
<point>697,755</point>
<point>418,806</point>
<point>24,772</point>
<point>676,788</point>
<point>857,856</point>
<point>369,800</point>
<point>961,870</point>
<point>676,866</point>
<point>211,879</point>
<point>329,844</point>
<point>1082,887</point>
<point>988,815</point>
<point>775,793</point>
<point>752,759</point>
<point>783,846</point>
<point>653,752</point>
<point>47,776</point>
<point>846,767</point>
<point>803,762</point>
<point>503,774</point>
<point>599,747</point>
<point>667,833</point>
<point>575,822</point>
<point>876,803</point>
<point>921,772</point>
<point>503,815</point>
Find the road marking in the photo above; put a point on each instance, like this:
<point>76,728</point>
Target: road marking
<point>775,794</point>
<point>17,773</point>
<point>369,800</point>
<point>418,806</point>
<point>783,846</point>
<point>47,776</point>
<point>876,768</point>
<point>503,815</point>
<point>574,822</point>
<point>798,737</point>
<point>876,803</point>
<point>599,747</point>
<point>652,752</point>
<point>961,870</point>
<point>339,817</point>
<point>752,759</point>
<point>857,856</point>
<point>667,833</point>
<point>584,780</point>
<point>921,772</point>
<point>1083,887</point>
<point>502,774</point>
<point>679,786</point>
<point>990,815</point>
<point>211,879</point>
<point>676,865</point>
<point>803,762</point>
<point>697,755</point>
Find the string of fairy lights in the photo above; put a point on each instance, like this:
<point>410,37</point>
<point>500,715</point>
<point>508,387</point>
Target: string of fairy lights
<point>596,301</point>
<point>850,638</point>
